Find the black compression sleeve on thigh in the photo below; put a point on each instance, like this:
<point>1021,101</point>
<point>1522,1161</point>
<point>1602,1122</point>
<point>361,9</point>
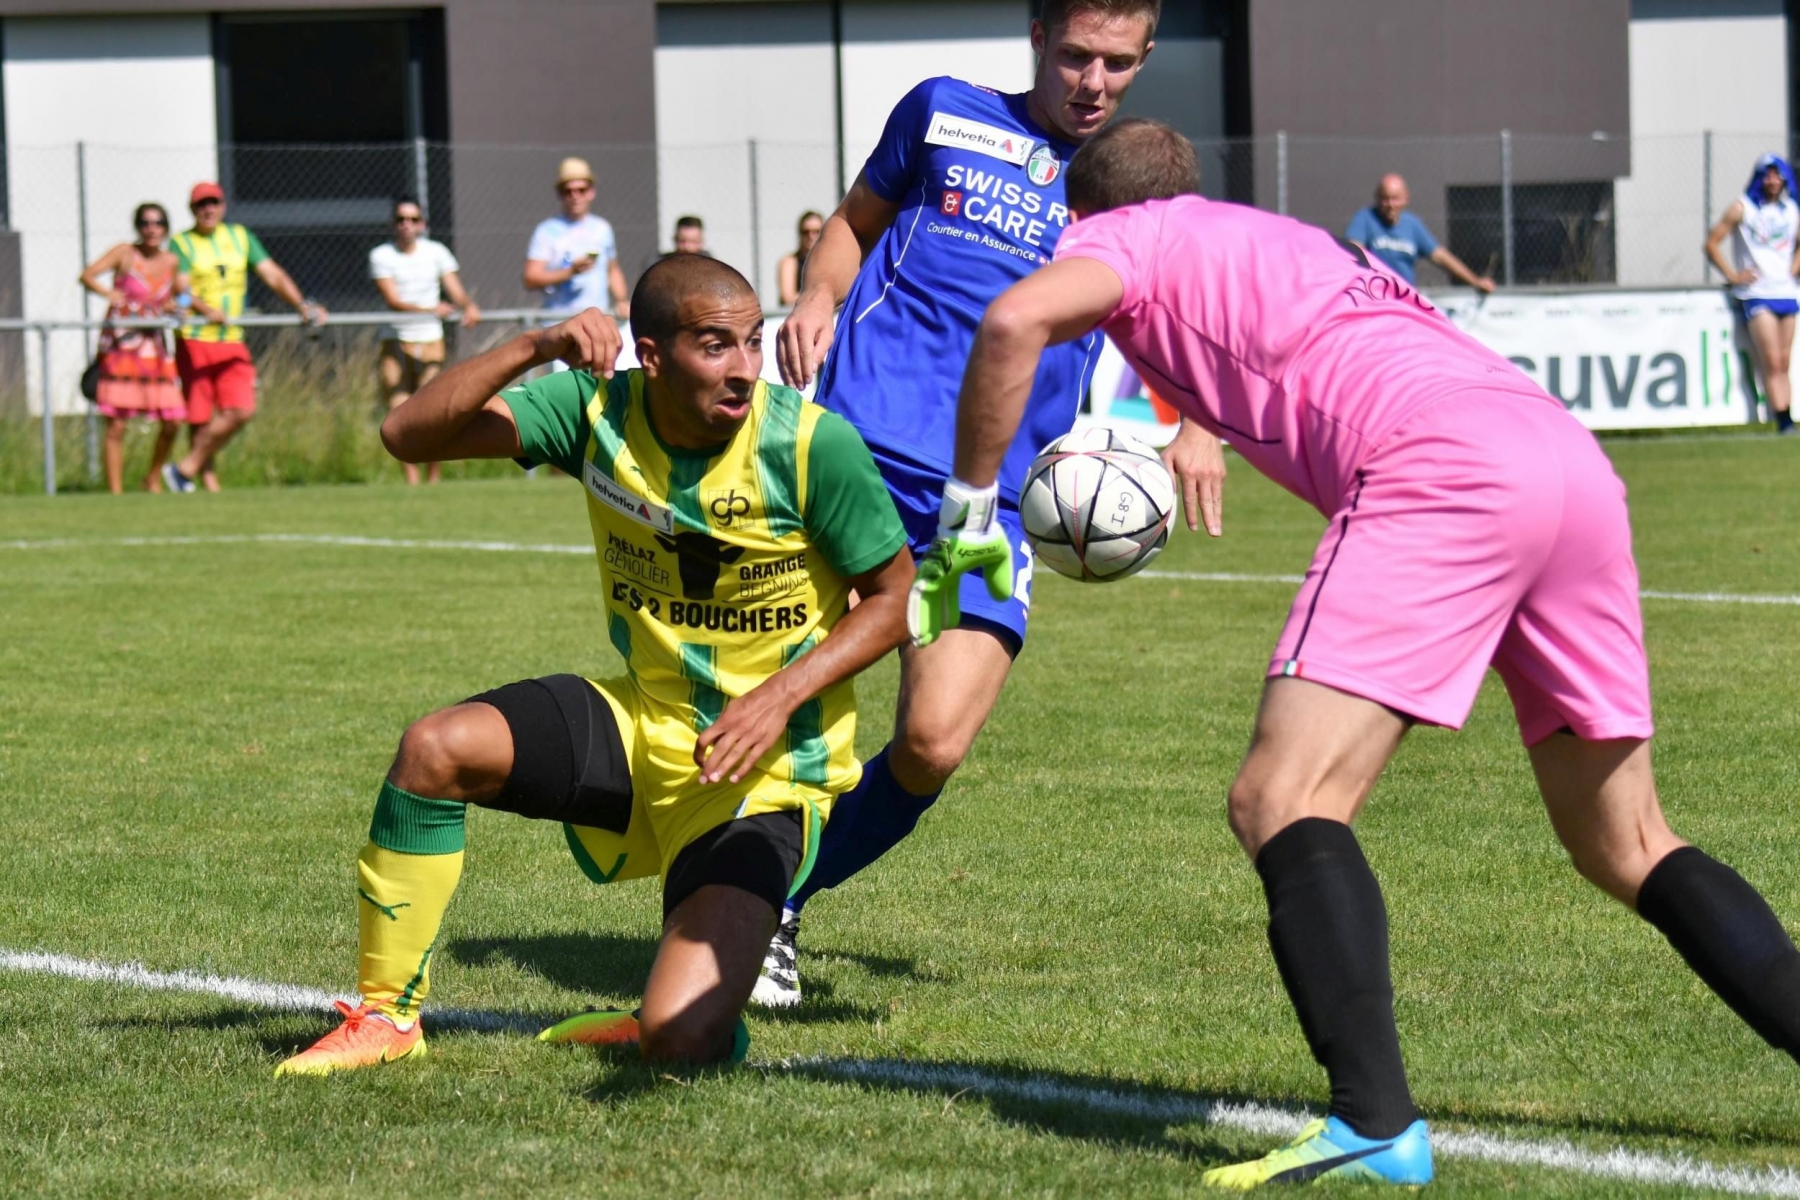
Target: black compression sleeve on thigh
<point>1731,938</point>
<point>1328,928</point>
<point>568,759</point>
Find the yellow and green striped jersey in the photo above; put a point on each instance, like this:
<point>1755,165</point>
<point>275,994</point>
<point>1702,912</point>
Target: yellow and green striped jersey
<point>721,566</point>
<point>218,267</point>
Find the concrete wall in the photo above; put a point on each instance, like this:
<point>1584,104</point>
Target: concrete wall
<point>727,75</point>
<point>1389,72</point>
<point>890,45</point>
<point>63,77</point>
<point>531,81</point>
<point>1679,91</point>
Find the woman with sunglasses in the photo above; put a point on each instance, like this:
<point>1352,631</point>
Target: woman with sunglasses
<point>790,272</point>
<point>137,372</point>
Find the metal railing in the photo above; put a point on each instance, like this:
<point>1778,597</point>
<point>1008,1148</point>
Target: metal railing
<point>523,317</point>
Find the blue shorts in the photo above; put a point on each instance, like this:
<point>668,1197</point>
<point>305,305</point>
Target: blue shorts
<point>918,493</point>
<point>1779,308</point>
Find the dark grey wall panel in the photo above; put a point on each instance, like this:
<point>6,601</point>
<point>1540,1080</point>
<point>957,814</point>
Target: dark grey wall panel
<point>1423,87</point>
<point>573,76</point>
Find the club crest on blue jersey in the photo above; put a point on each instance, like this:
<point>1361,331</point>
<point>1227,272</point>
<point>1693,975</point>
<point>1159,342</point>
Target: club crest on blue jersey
<point>1042,167</point>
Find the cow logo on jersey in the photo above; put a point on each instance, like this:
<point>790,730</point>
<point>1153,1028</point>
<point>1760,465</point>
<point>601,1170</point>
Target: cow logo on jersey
<point>1042,167</point>
<point>700,556</point>
<point>982,138</point>
<point>625,503</point>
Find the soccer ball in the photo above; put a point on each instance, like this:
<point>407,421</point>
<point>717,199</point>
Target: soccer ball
<point>1097,505</point>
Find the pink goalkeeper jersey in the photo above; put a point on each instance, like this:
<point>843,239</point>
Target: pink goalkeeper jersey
<point>1279,337</point>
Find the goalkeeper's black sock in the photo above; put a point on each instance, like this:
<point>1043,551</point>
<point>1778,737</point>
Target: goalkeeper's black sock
<point>1328,928</point>
<point>1729,935</point>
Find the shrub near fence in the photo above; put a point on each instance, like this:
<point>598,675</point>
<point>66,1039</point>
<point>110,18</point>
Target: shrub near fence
<point>318,420</point>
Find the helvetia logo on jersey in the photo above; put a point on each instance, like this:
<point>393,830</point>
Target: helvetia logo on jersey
<point>980,137</point>
<point>623,502</point>
<point>1042,168</point>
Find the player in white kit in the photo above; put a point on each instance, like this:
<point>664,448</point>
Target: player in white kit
<point>1761,226</point>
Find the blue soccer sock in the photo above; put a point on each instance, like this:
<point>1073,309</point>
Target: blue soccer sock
<point>866,822</point>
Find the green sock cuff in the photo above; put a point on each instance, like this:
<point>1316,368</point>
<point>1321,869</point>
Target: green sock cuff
<point>409,824</point>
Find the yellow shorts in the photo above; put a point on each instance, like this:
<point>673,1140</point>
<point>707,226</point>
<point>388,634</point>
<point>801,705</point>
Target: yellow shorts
<point>670,807</point>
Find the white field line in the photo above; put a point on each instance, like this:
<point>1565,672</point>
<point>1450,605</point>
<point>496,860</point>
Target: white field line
<point>1259,1119</point>
<point>329,539</point>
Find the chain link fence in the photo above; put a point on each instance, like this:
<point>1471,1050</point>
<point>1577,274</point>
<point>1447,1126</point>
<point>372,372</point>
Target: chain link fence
<point>1527,210</point>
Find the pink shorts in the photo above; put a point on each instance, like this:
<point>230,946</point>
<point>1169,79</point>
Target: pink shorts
<point>1490,528</point>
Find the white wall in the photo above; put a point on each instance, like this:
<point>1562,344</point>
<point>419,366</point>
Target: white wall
<point>890,45</point>
<point>727,75</point>
<point>137,92</point>
<point>1694,70</point>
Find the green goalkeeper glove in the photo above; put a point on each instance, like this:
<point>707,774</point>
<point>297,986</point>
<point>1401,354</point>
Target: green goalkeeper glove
<point>970,537</point>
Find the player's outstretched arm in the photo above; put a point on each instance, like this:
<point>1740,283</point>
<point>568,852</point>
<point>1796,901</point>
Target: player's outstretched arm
<point>460,414</point>
<point>849,234</point>
<point>755,721</point>
<point>1058,303</point>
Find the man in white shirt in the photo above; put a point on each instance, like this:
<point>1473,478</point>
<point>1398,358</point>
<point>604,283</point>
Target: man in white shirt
<point>573,257</point>
<point>413,273</point>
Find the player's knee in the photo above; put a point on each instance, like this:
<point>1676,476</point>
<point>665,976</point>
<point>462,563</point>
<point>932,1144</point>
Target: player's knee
<point>684,1037</point>
<point>928,753</point>
<point>435,754</point>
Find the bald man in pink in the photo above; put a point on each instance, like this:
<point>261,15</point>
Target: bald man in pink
<point>1472,522</point>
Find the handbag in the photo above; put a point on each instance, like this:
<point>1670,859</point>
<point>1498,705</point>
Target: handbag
<point>90,379</point>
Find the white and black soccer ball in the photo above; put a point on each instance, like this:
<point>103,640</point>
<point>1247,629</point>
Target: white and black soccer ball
<point>1097,505</point>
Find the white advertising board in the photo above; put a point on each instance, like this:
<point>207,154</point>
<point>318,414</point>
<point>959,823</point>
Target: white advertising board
<point>1616,359</point>
<point>1622,360</point>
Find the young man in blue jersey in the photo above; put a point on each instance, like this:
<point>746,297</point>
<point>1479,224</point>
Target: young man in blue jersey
<point>962,197</point>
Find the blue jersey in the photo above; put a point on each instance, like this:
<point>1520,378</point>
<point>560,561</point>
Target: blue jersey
<point>980,189</point>
<point>1400,245</point>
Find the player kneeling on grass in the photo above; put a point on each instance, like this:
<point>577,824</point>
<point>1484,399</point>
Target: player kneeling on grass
<point>1472,521</point>
<point>731,520</point>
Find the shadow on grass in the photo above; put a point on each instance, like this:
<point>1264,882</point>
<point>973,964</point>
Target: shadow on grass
<point>1062,1104</point>
<point>606,963</point>
<point>1099,1108</point>
<point>618,965</point>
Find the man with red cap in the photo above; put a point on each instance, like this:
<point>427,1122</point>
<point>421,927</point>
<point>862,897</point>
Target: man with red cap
<point>217,375</point>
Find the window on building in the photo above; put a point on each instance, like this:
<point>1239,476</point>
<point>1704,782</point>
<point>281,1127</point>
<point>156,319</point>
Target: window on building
<point>322,123</point>
<point>1562,232</point>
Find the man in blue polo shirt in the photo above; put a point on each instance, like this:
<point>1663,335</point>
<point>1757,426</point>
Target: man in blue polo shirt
<point>1400,239</point>
<point>962,197</point>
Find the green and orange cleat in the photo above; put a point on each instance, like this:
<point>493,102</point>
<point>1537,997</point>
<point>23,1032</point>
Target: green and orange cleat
<point>616,1027</point>
<point>367,1038</point>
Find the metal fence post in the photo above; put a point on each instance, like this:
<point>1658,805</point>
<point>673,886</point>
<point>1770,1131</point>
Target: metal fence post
<point>87,344</point>
<point>1281,178</point>
<point>49,420</point>
<point>1506,206</point>
<point>421,179</point>
<point>1706,197</point>
<point>755,226</point>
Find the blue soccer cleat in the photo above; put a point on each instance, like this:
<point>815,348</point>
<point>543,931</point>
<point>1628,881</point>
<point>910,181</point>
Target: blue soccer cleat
<point>1330,1149</point>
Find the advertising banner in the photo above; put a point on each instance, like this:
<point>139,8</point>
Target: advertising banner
<point>1622,360</point>
<point>1616,359</point>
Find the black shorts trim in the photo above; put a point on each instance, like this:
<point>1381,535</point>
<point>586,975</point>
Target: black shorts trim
<point>758,854</point>
<point>569,760</point>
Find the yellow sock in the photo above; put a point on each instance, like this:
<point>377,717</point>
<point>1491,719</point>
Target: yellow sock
<point>405,877</point>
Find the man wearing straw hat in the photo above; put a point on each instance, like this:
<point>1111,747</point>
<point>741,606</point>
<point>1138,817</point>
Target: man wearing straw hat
<point>573,257</point>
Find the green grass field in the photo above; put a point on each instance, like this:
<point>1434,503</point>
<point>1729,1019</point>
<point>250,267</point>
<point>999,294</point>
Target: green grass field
<point>191,737</point>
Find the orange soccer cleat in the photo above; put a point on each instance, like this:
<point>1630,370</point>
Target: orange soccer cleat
<point>367,1038</point>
